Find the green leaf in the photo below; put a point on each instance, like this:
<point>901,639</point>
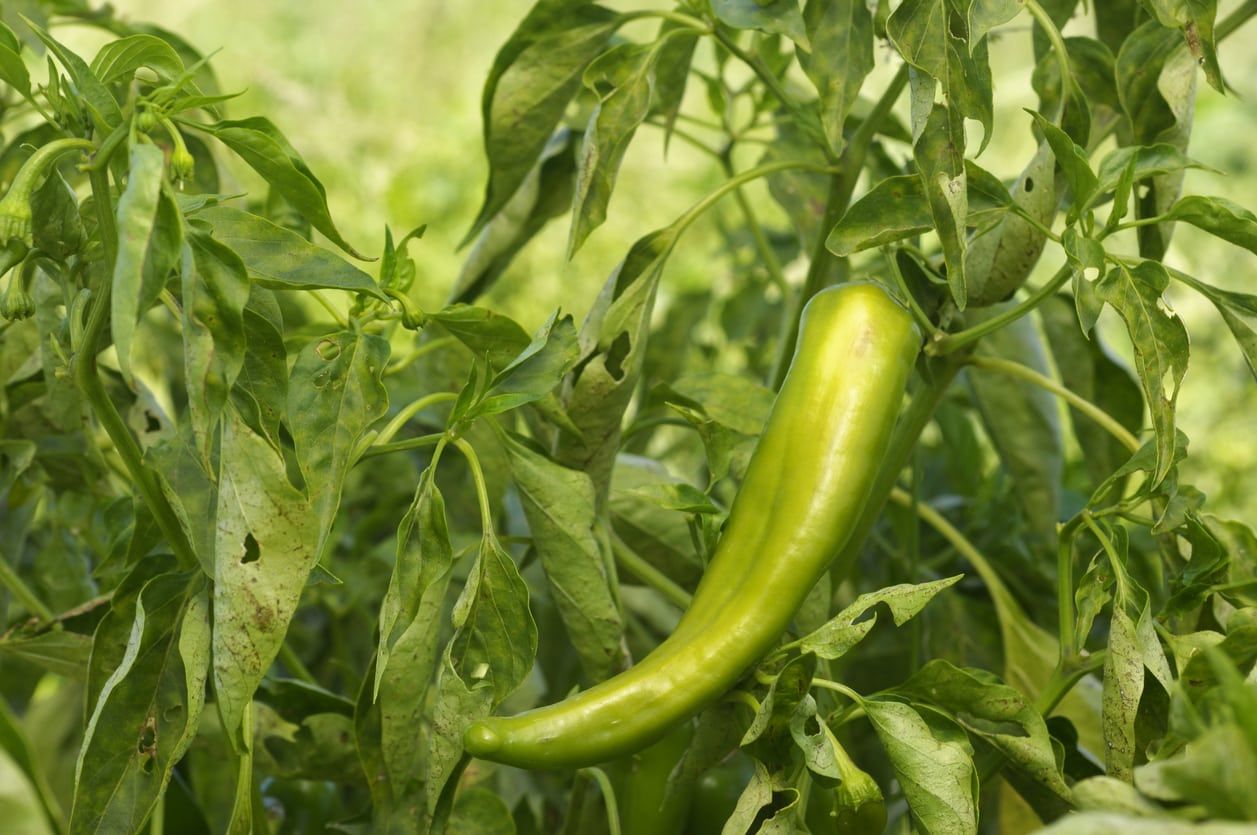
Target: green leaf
<point>939,152</point>
<point>919,30</point>
<point>544,194</point>
<point>1160,344</point>
<point>1196,20</point>
<point>137,212</point>
<point>840,634</point>
<point>410,614</point>
<point>1023,423</point>
<point>479,811</point>
<point>933,762</point>
<point>13,70</point>
<point>616,330</point>
<point>20,801</point>
<point>265,540</point>
<point>991,710</point>
<point>769,738</point>
<point>335,392</point>
<point>774,17</point>
<point>622,78</point>
<point>534,76</point>
<point>1088,369</point>
<point>100,103</point>
<point>1236,310</point>
<point>260,395</point>
<point>118,60</point>
<point>1218,216</point>
<point>495,638</point>
<point>841,57</point>
<point>802,194</point>
<point>487,334</point>
<point>215,289</point>
<point>61,652</point>
<point>559,504</point>
<point>985,15</point>
<point>1148,161</point>
<point>1072,159</point>
<point>148,710</point>
<point>267,151</point>
<point>282,260</point>
<point>999,260</point>
<point>672,71</point>
<point>892,210</point>
<point>762,789</point>
<point>1140,61</point>
<point>456,706</point>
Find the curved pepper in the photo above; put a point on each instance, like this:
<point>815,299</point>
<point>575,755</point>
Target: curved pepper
<point>804,490</point>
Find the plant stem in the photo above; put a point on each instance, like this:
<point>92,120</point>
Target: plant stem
<point>1091,410</point>
<point>24,593</point>
<point>288,656</point>
<point>87,377</point>
<point>445,802</point>
<point>399,446</point>
<point>326,304</point>
<point>678,18</point>
<point>410,410</point>
<point>685,136</point>
<point>608,797</point>
<point>732,184</point>
<point>762,246</point>
<point>838,687</point>
<point>1068,82</point>
<point>765,75</point>
<point>1064,679</point>
<point>635,564</point>
<point>482,490</point>
<point>426,348</point>
<point>1065,614</point>
<point>945,343</point>
<point>1235,20</point>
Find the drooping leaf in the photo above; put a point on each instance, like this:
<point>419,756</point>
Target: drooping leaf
<point>265,543</point>
<point>137,210</point>
<point>841,57</point>
<point>1160,343</point>
<point>335,392</point>
<point>559,504</point>
<point>258,142</point>
<point>623,78</point>
<point>846,629</point>
<point>149,708</point>
<point>534,76</point>
<point>933,761</point>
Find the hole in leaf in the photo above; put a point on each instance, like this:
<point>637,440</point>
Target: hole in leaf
<point>328,350</point>
<point>151,423</point>
<point>252,551</point>
<point>1029,186</point>
<point>617,353</point>
<point>812,727</point>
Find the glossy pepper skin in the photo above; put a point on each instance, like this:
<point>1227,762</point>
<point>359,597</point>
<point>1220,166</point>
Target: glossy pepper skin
<point>804,489</point>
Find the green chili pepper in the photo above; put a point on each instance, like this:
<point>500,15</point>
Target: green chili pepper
<point>15,206</point>
<point>803,492</point>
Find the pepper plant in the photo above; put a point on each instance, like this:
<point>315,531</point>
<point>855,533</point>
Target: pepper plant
<point>274,535</point>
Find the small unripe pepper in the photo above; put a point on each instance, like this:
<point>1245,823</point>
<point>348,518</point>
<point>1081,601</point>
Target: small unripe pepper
<point>15,206</point>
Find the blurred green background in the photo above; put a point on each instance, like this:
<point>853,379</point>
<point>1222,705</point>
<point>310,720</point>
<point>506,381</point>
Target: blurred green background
<point>383,100</point>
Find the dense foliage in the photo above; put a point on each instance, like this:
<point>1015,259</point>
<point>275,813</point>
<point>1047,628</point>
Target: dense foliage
<point>272,536</point>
